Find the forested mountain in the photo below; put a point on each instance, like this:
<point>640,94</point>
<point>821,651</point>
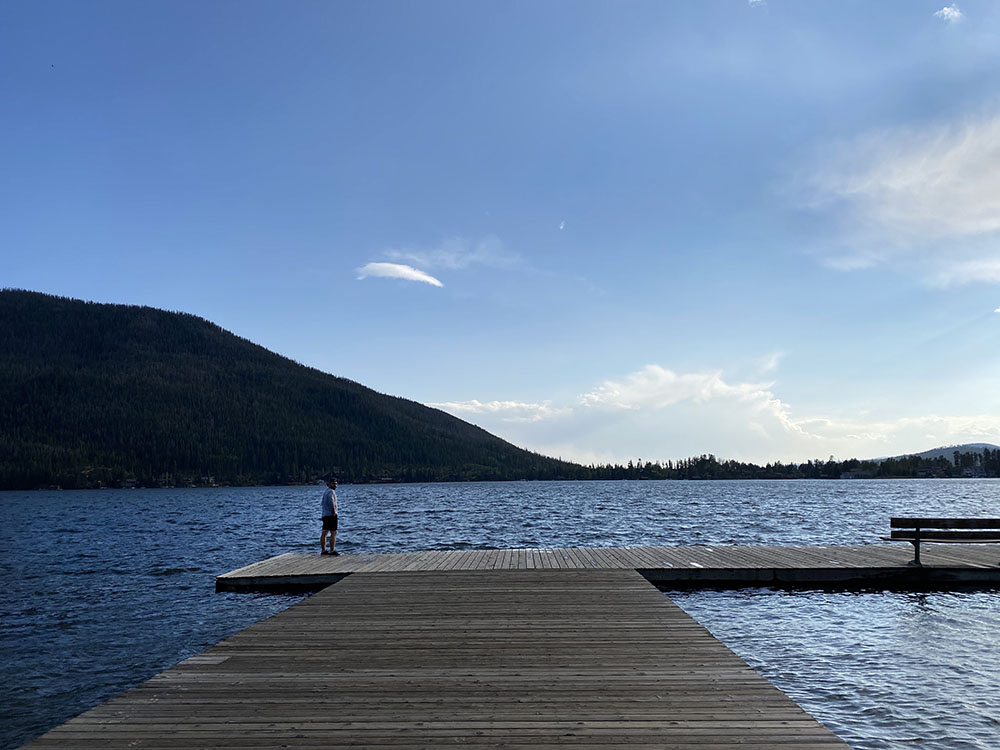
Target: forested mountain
<point>109,395</point>
<point>96,395</point>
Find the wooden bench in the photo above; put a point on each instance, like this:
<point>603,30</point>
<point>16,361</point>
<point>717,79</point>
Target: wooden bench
<point>944,530</point>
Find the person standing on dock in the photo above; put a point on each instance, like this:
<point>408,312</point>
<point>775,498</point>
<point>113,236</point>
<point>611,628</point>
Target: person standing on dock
<point>328,510</point>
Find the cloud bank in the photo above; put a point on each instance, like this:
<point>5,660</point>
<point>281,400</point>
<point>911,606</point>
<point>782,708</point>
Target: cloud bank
<point>655,413</point>
<point>396,271</point>
<point>655,387</point>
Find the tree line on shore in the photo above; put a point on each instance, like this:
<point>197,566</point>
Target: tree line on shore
<point>95,395</point>
<point>72,472</point>
<point>985,463</point>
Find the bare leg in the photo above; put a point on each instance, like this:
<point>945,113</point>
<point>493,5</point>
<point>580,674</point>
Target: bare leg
<point>333,539</point>
<point>322,540</point>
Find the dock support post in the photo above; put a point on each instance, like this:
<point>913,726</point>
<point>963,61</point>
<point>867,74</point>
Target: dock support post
<point>916,548</point>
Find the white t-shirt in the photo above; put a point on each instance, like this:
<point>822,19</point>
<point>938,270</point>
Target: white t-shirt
<point>329,506</point>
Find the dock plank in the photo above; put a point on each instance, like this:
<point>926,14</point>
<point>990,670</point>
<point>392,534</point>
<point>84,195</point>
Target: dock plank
<point>537,658</point>
<point>706,564</point>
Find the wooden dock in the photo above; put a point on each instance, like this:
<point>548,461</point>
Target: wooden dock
<point>533,649</point>
<point>861,565</point>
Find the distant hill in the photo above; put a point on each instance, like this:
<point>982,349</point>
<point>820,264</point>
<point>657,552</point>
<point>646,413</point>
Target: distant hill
<point>947,452</point>
<point>109,395</point>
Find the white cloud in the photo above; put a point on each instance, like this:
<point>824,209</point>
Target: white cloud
<point>396,271</point>
<point>562,224</point>
<point>950,13</point>
<point>506,411</point>
<point>942,182</point>
<point>969,271</point>
<point>454,254</point>
<point>656,387</point>
<point>756,3</point>
<point>769,363</point>
<point>926,200</point>
<point>457,254</point>
<point>657,414</point>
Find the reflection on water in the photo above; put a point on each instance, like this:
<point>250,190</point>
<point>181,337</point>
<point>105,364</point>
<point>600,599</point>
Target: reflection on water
<point>881,669</point>
<point>102,589</point>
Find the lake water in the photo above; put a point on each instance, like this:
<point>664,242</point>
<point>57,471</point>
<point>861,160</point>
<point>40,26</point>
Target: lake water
<point>102,589</point>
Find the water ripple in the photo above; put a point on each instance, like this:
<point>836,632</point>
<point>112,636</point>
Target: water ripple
<point>882,669</point>
<point>126,588</point>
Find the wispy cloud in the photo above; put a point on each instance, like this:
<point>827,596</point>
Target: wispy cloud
<point>506,411</point>
<point>769,363</point>
<point>453,254</point>
<point>942,181</point>
<point>756,3</point>
<point>396,271</point>
<point>457,254</point>
<point>969,271</point>
<point>931,195</point>
<point>950,13</point>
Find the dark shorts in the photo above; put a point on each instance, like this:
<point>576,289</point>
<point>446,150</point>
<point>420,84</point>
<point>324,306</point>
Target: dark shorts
<point>330,523</point>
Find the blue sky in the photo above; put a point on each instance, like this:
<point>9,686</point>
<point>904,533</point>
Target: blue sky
<point>768,230</point>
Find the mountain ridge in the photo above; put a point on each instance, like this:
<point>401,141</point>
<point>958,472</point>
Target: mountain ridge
<point>95,394</point>
<point>944,451</point>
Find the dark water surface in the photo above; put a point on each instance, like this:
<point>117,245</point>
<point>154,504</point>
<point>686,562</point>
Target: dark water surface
<point>102,589</point>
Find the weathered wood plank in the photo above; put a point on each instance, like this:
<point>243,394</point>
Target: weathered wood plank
<point>539,657</point>
<point>731,565</point>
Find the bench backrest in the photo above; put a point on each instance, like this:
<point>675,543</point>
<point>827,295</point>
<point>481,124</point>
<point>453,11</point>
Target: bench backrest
<point>944,523</point>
